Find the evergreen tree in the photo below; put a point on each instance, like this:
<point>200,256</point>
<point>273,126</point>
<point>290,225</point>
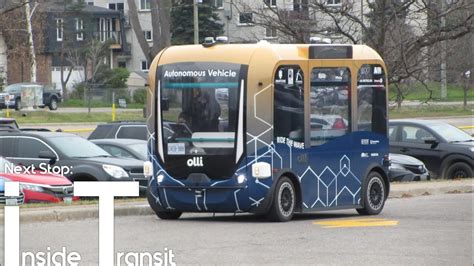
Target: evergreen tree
<point>182,27</point>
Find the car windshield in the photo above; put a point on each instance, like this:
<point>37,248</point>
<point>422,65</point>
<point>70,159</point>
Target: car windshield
<point>5,165</point>
<point>77,147</point>
<point>141,149</point>
<point>450,133</point>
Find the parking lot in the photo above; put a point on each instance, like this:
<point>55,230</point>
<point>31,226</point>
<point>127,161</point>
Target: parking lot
<point>430,230</point>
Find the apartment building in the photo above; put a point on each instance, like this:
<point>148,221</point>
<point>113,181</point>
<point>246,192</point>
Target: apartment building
<point>135,60</point>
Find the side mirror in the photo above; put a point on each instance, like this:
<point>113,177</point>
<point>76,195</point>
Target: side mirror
<point>48,155</point>
<point>432,141</point>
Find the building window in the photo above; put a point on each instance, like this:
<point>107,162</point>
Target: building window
<point>144,5</point>
<point>270,33</point>
<point>116,6</point>
<point>59,29</point>
<point>246,18</point>
<point>122,64</point>
<point>272,3</point>
<point>219,4</point>
<point>148,35</point>
<point>145,66</point>
<point>79,29</point>
<point>90,3</point>
<point>333,2</point>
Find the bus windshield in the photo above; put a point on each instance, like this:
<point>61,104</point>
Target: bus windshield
<point>202,115</point>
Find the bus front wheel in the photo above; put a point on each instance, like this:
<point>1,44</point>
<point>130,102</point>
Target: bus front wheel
<point>284,200</point>
<point>164,215</point>
<point>373,195</point>
<point>168,215</point>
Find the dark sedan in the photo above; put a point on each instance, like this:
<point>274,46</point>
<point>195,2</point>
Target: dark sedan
<point>124,148</point>
<point>76,158</point>
<point>446,150</point>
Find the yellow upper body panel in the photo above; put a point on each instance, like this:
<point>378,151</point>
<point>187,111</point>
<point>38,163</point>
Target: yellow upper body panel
<point>262,52</point>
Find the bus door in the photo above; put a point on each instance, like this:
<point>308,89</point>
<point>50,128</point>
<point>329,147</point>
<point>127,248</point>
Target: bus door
<point>289,118</point>
<point>333,182</point>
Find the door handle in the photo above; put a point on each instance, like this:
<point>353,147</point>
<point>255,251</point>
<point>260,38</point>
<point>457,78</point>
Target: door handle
<point>404,149</point>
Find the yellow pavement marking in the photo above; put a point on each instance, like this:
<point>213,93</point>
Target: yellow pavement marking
<point>78,130</point>
<point>467,127</point>
<point>368,222</point>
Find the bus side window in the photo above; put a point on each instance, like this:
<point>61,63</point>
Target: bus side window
<point>289,103</point>
<point>330,99</point>
<point>371,95</point>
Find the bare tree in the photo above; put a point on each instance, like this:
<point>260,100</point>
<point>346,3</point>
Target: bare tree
<point>7,6</point>
<point>160,16</point>
<point>402,32</point>
<point>295,24</point>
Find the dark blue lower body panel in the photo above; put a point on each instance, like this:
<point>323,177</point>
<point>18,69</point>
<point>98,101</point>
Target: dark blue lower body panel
<point>329,176</point>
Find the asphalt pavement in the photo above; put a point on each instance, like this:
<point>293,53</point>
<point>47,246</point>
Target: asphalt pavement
<point>428,230</point>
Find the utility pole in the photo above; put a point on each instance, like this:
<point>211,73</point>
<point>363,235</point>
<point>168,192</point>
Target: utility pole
<point>443,79</point>
<point>196,21</point>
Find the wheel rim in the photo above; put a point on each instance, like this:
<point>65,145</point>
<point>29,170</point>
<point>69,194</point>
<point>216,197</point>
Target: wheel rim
<point>286,199</point>
<point>53,104</point>
<point>459,173</point>
<point>375,193</point>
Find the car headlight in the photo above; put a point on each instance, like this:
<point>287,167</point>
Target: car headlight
<point>31,187</point>
<point>396,166</point>
<point>114,171</point>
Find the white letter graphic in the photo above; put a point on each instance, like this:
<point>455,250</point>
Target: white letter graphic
<point>106,192</point>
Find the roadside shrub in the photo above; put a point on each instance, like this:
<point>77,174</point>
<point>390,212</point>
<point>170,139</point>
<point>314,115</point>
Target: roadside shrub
<point>140,96</point>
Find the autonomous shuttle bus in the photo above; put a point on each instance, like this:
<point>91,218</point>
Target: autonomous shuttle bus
<point>267,128</point>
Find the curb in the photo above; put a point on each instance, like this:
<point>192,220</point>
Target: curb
<point>141,208</point>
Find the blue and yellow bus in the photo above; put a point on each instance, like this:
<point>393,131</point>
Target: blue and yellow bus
<point>264,128</point>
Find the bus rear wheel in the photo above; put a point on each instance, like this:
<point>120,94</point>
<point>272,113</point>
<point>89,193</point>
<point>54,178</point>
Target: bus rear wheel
<point>373,195</point>
<point>284,200</point>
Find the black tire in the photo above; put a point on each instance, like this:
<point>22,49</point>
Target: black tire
<point>17,104</point>
<point>284,201</point>
<point>459,170</point>
<point>53,104</point>
<point>373,195</point>
<point>164,215</point>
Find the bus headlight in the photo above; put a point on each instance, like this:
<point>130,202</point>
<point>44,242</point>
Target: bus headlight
<point>160,178</point>
<point>241,179</point>
<point>261,170</point>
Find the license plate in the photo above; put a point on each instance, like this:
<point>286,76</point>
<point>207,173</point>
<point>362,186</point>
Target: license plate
<point>67,200</point>
<point>11,202</point>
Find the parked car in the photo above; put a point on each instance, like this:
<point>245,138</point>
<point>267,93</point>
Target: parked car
<point>407,168</point>
<point>11,97</point>
<point>4,200</point>
<point>84,160</point>
<point>38,186</point>
<point>124,148</point>
<point>138,130</point>
<point>120,130</point>
<point>446,150</point>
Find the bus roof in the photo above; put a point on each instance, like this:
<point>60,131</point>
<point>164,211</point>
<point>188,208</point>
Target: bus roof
<point>243,53</point>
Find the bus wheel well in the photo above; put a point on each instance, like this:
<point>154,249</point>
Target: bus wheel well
<point>384,176</point>
<point>296,184</point>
